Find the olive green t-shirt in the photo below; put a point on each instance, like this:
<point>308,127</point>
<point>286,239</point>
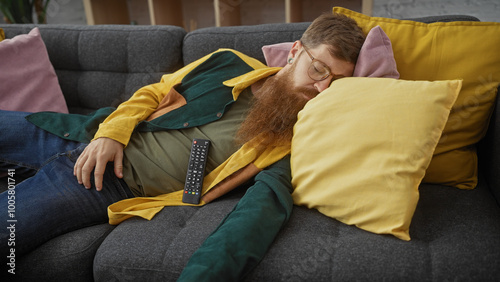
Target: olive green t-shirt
<point>155,163</point>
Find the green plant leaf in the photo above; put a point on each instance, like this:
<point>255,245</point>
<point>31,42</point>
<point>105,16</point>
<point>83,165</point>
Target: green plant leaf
<point>21,11</point>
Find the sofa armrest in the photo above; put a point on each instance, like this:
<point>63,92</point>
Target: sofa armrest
<point>489,152</point>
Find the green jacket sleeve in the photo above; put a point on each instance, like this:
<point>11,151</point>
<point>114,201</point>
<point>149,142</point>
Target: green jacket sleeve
<point>242,239</point>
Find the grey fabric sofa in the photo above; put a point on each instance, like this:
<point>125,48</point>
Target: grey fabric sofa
<point>455,233</point>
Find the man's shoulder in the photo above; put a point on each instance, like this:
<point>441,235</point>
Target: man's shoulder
<point>217,67</point>
<point>252,62</point>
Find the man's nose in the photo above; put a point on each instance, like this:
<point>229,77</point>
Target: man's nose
<point>323,84</point>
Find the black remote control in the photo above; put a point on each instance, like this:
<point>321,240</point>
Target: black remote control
<point>196,171</point>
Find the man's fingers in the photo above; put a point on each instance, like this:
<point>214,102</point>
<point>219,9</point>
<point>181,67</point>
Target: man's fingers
<point>77,169</point>
<point>86,171</point>
<point>94,158</point>
<point>118,164</point>
<point>84,166</point>
<point>100,167</point>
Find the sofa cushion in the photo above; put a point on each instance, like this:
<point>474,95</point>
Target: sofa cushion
<point>158,250</point>
<point>29,82</point>
<point>2,34</point>
<point>361,147</point>
<point>455,236</point>
<point>68,257</point>
<point>441,51</point>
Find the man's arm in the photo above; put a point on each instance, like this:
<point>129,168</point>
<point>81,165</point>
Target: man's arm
<point>120,124</point>
<point>114,133</point>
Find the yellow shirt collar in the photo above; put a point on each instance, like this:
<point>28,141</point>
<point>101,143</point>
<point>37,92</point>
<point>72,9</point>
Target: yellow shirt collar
<point>243,81</point>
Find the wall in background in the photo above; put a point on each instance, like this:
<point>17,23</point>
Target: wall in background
<point>485,10</point>
<point>72,11</point>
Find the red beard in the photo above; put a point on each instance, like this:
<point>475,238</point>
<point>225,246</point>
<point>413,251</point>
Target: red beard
<point>274,112</point>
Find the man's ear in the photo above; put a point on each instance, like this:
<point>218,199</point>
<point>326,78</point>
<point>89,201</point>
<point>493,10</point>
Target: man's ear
<point>297,45</point>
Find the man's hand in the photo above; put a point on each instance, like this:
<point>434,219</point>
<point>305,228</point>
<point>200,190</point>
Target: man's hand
<point>95,157</point>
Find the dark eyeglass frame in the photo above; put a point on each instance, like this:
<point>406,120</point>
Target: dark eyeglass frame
<point>312,69</point>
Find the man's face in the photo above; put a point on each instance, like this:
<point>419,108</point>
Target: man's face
<point>302,63</point>
<point>281,97</point>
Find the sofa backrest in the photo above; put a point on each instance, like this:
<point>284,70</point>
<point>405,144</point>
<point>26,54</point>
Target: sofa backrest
<point>100,66</point>
<point>246,39</point>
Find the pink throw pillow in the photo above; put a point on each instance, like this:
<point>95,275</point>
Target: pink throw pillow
<point>375,59</point>
<point>27,78</point>
<point>277,54</point>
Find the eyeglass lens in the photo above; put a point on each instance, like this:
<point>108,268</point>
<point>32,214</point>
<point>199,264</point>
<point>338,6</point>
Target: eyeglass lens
<point>318,71</point>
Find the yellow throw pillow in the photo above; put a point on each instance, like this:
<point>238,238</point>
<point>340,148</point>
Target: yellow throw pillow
<point>443,51</point>
<point>2,35</point>
<point>360,149</point>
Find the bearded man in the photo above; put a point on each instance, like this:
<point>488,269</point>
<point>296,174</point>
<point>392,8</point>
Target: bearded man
<point>142,147</point>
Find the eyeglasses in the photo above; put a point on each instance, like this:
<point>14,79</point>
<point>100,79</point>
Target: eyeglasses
<point>318,70</point>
